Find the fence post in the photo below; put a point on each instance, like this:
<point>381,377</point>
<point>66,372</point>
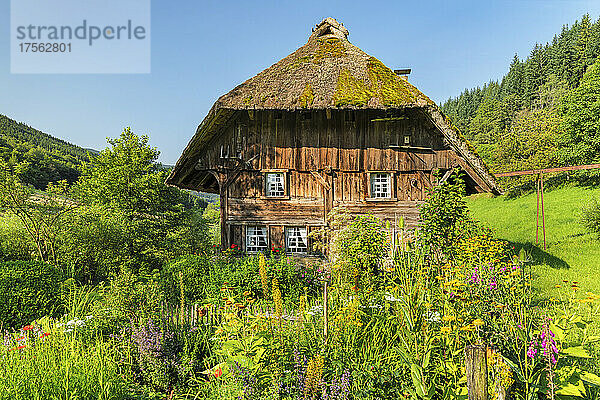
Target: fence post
<point>476,370</point>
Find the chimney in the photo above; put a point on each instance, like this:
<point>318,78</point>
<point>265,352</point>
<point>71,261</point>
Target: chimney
<point>403,73</point>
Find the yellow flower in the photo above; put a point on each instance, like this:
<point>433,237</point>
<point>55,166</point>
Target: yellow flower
<point>446,329</point>
<point>428,305</point>
<point>478,322</point>
<point>467,328</point>
<point>448,318</point>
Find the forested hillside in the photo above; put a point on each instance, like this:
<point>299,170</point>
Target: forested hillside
<point>544,112</point>
<point>37,157</point>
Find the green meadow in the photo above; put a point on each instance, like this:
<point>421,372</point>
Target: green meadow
<point>572,253</point>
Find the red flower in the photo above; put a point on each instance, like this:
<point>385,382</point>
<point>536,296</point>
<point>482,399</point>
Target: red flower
<point>44,334</point>
<point>233,246</point>
<point>27,327</point>
<point>218,372</point>
<point>21,338</point>
<point>21,347</point>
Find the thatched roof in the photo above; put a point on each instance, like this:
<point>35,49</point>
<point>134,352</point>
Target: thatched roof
<point>327,72</point>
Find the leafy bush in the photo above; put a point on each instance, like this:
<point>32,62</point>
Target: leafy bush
<point>193,273</point>
<point>205,277</point>
<point>128,298</point>
<point>591,216</point>
<point>445,220</point>
<point>362,243</point>
<point>14,242</point>
<point>92,249</point>
<point>28,290</point>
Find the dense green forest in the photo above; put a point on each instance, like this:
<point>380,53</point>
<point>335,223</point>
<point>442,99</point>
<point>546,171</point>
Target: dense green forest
<point>544,111</point>
<point>37,157</point>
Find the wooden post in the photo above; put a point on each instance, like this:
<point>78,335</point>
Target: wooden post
<point>543,216</point>
<point>537,218</point>
<point>476,370</point>
<point>325,311</point>
<point>223,203</point>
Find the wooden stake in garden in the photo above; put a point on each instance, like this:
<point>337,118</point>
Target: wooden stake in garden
<point>325,305</point>
<point>476,371</point>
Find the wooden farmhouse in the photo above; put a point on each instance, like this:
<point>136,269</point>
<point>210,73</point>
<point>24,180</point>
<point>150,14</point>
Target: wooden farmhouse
<point>327,126</point>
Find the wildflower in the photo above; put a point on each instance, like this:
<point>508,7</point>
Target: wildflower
<point>432,316</point>
<point>264,279</point>
<point>467,328</point>
<point>478,322</point>
<point>277,298</point>
<point>27,327</point>
<point>21,347</point>
<point>448,318</point>
<point>218,372</point>
<point>445,329</point>
<point>314,373</point>
<point>532,350</point>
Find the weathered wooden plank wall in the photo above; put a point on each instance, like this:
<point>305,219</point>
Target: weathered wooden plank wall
<point>342,146</point>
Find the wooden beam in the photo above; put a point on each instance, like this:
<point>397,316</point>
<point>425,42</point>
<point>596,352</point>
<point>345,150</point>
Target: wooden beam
<point>549,170</point>
<point>223,205</point>
<point>446,176</point>
<point>320,179</point>
<point>425,178</point>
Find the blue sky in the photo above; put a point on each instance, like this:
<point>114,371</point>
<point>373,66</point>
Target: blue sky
<point>202,49</point>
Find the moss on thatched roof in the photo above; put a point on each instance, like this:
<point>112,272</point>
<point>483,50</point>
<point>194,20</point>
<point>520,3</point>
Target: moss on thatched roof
<point>338,74</point>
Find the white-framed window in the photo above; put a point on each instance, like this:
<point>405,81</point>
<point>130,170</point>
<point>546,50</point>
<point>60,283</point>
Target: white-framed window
<point>256,238</point>
<point>381,185</point>
<point>275,184</point>
<point>295,239</point>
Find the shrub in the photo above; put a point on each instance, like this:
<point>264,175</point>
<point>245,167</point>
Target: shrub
<point>196,275</point>
<point>14,242</point>
<point>362,243</point>
<point>591,216</point>
<point>28,290</point>
<point>128,298</point>
<point>356,245</point>
<point>444,219</point>
<point>92,248</point>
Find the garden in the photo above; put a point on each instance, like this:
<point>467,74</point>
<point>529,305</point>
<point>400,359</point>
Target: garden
<point>115,287</point>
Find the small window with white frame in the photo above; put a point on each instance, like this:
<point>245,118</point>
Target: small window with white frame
<point>381,185</point>
<point>296,241</point>
<point>275,184</point>
<point>256,239</point>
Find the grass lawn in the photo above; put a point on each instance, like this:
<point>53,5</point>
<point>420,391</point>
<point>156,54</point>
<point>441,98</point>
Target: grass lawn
<point>572,253</point>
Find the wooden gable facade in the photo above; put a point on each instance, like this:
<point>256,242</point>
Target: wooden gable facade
<point>281,165</point>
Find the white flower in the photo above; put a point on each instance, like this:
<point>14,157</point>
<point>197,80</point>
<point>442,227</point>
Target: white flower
<point>389,297</point>
<point>432,316</point>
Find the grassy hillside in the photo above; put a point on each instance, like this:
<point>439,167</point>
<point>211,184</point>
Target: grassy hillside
<point>572,253</point>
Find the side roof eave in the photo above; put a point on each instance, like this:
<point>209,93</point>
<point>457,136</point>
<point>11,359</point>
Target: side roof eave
<point>462,147</point>
<point>216,119</point>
